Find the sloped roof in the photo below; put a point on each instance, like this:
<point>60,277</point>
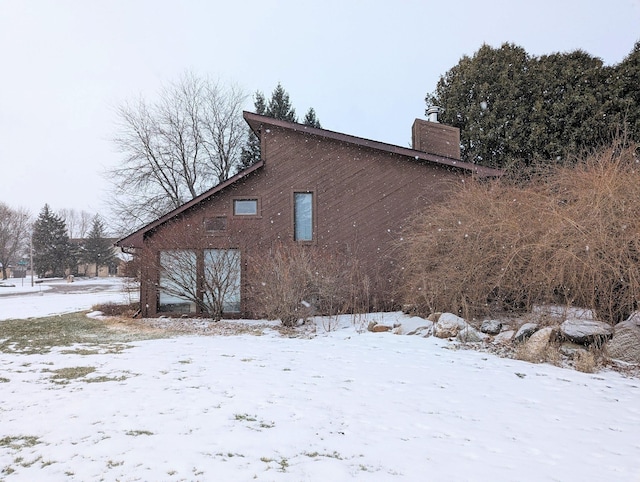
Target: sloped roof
<point>135,239</point>
<point>258,122</point>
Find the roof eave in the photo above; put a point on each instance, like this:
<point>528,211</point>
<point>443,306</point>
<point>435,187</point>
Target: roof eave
<point>257,121</point>
<point>136,239</point>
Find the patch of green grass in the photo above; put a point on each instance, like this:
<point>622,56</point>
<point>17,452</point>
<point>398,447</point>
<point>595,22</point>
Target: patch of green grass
<point>19,442</point>
<point>315,455</point>
<point>261,424</point>
<point>40,335</point>
<point>105,378</point>
<point>245,417</point>
<point>229,455</point>
<point>63,375</point>
<point>136,433</point>
<point>284,463</point>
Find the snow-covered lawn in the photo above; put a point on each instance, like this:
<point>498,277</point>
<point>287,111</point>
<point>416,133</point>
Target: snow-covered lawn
<point>46,297</point>
<point>342,405</point>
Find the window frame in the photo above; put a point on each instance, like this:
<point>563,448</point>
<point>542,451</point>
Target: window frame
<point>314,229</point>
<point>201,263</point>
<point>245,215</point>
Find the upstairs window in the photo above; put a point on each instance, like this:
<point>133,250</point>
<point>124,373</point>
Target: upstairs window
<point>303,216</point>
<point>245,207</point>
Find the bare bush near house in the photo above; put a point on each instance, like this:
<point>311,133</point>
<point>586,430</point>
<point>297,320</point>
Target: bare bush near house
<point>293,281</point>
<point>568,235</point>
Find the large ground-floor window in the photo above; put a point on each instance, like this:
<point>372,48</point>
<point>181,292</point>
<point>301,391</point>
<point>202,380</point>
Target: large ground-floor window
<point>199,281</point>
<point>178,284</point>
<point>221,292</point>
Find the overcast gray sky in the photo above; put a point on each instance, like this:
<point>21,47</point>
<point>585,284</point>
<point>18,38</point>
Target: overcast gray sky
<point>365,66</point>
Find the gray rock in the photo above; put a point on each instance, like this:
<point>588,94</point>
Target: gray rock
<point>586,332</point>
<point>491,327</point>
<point>470,335</point>
<point>448,325</point>
<point>525,331</point>
<point>625,344</point>
<point>534,348</point>
<point>504,337</point>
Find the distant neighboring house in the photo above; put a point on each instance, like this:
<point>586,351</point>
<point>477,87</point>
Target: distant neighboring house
<point>316,187</point>
<point>9,271</point>
<point>116,268</point>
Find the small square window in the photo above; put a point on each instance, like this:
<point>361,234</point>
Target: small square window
<point>215,224</point>
<point>245,207</point>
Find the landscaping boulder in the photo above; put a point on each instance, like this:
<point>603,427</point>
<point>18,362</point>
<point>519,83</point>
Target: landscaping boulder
<point>572,350</point>
<point>470,335</point>
<point>491,327</point>
<point>380,328</point>
<point>448,325</point>
<point>535,346</point>
<point>525,331</point>
<point>586,332</point>
<point>414,326</point>
<point>504,337</point>
<point>625,344</point>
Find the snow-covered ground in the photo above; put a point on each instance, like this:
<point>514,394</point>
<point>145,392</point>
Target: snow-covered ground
<point>19,299</point>
<point>340,405</point>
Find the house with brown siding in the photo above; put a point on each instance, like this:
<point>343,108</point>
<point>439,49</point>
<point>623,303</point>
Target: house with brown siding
<point>313,187</point>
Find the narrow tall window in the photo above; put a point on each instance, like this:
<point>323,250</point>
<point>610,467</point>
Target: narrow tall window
<point>303,216</point>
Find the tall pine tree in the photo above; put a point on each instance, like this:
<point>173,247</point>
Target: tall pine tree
<point>310,118</point>
<point>97,249</point>
<point>251,152</point>
<point>280,107</point>
<point>52,252</point>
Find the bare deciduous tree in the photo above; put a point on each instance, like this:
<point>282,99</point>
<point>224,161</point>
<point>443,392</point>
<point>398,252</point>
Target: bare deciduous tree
<point>175,148</point>
<point>14,235</point>
<point>78,222</point>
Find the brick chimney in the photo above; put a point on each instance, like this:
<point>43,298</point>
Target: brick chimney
<point>435,138</point>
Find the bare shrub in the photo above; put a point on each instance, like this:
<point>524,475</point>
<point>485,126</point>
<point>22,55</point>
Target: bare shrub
<point>117,309</point>
<point>568,235</point>
<point>294,281</point>
<point>585,362</point>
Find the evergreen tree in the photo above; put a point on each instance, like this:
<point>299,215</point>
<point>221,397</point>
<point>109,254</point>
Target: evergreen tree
<point>97,249</point>
<point>251,151</point>
<point>624,104</point>
<point>486,96</point>
<point>310,119</point>
<point>280,107</point>
<point>568,108</point>
<point>52,252</point>
<point>513,108</point>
